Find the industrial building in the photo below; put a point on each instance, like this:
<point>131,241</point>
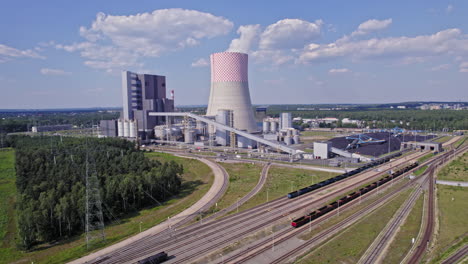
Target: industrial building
<point>230,89</point>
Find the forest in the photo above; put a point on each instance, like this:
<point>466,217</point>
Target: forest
<point>51,181</point>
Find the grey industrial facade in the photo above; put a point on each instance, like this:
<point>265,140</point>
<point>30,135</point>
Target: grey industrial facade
<point>142,94</point>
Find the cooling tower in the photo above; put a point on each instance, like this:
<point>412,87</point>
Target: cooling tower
<point>230,88</point>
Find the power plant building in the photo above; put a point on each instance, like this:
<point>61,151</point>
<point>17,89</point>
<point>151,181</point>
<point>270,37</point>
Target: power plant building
<point>230,89</point>
<point>142,94</point>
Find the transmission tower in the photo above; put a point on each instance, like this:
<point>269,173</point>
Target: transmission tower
<point>94,216</point>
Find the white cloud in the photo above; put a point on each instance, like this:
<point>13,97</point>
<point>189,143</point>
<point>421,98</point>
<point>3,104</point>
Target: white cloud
<point>440,67</point>
<point>341,70</point>
<point>8,53</point>
<point>122,41</point>
<point>449,9</point>
<point>289,34</point>
<point>249,35</point>
<point>464,66</point>
<point>48,71</point>
<point>371,26</point>
<point>450,41</point>
<point>202,62</point>
<point>275,57</point>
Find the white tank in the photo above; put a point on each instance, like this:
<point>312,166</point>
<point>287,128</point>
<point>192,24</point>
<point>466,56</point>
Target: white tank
<point>266,127</point>
<point>273,126</point>
<point>188,136</point>
<point>126,128</point>
<point>296,139</point>
<point>132,128</point>
<point>120,129</point>
<point>289,132</point>
<point>295,132</point>
<point>287,140</point>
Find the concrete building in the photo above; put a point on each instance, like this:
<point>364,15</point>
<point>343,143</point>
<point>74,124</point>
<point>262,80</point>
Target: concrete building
<point>144,93</point>
<point>322,150</point>
<point>52,128</point>
<point>230,89</point>
<point>108,128</point>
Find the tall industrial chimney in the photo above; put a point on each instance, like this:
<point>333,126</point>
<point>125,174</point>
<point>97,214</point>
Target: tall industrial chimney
<point>230,89</point>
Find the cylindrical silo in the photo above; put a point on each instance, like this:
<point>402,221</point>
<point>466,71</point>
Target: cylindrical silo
<point>230,88</point>
<point>120,129</point>
<point>273,126</point>
<point>132,129</point>
<point>288,140</point>
<point>126,128</point>
<point>296,139</point>
<point>188,136</point>
<point>266,127</point>
<point>295,132</point>
<point>223,116</point>
<point>286,120</point>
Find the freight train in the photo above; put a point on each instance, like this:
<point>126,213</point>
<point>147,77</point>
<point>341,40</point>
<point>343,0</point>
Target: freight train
<point>155,259</point>
<point>342,176</point>
<point>345,199</point>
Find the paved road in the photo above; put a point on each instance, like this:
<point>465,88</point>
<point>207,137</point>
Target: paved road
<point>453,183</point>
<point>219,186</point>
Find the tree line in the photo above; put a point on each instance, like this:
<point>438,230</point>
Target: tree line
<point>51,182</point>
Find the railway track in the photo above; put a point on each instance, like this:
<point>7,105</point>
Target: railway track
<point>172,239</point>
<point>429,227</point>
<point>375,250</point>
<point>247,255</point>
<point>289,233</point>
<point>459,255</point>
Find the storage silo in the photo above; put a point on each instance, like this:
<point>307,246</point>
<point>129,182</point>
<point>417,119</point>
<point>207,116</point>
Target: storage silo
<point>296,139</point>
<point>132,129</point>
<point>230,89</point>
<point>286,120</point>
<point>288,140</point>
<point>224,117</point>
<point>266,127</point>
<point>188,136</point>
<point>126,128</point>
<point>120,128</point>
<point>273,126</point>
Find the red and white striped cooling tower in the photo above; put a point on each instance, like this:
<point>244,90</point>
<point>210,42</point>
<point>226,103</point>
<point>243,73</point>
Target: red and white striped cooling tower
<point>230,88</point>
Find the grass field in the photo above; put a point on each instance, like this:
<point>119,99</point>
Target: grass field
<point>281,181</point>
<point>7,203</point>
<point>197,179</point>
<point>410,229</point>
<point>242,179</point>
<point>442,139</point>
<point>457,170</point>
<point>348,247</point>
<point>453,220</point>
<point>420,170</point>
<point>425,157</point>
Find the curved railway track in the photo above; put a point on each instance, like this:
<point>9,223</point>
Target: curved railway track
<point>247,254</point>
<point>172,239</point>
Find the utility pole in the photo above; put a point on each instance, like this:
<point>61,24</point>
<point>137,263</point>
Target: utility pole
<point>94,216</point>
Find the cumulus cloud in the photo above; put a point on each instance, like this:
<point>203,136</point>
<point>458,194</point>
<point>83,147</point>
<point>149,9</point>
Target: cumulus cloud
<point>202,62</point>
<point>450,41</point>
<point>275,57</point>
<point>121,41</point>
<point>249,35</point>
<point>341,70</point>
<point>8,53</point>
<point>371,25</point>
<point>290,34</point>
<point>48,71</point>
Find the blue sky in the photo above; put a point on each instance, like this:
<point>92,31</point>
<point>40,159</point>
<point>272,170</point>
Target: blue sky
<point>56,54</point>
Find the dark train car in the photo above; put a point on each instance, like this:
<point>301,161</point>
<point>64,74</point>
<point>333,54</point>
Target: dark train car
<point>155,259</point>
